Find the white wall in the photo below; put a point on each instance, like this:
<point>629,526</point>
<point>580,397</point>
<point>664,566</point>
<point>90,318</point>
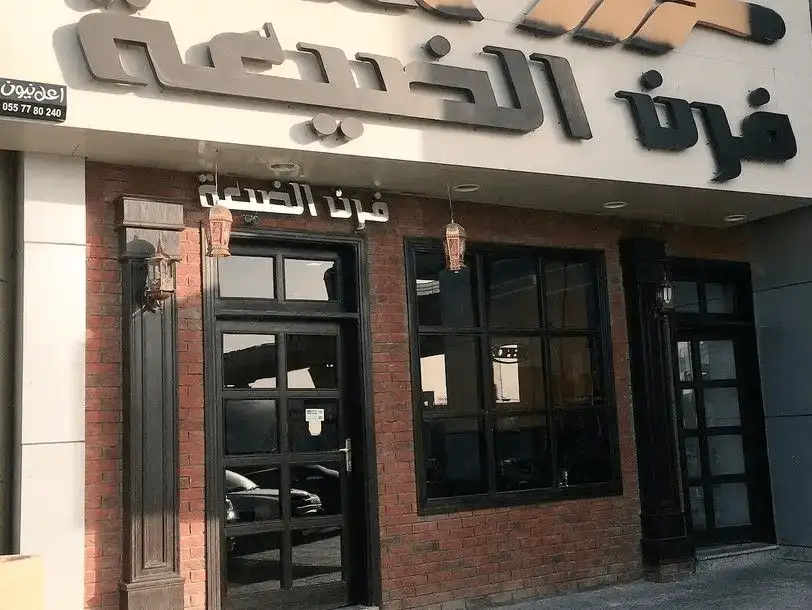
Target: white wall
<point>40,43</point>
<point>51,333</point>
<point>7,280</point>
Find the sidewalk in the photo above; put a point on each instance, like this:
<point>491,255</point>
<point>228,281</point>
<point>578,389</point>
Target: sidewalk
<point>770,585</point>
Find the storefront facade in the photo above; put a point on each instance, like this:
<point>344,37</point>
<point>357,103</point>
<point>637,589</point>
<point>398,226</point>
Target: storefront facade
<point>341,413</point>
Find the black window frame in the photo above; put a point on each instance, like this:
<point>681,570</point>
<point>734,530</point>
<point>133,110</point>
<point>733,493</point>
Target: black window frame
<point>603,339</point>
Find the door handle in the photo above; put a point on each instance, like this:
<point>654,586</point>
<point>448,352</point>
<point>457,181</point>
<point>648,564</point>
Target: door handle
<point>347,451</point>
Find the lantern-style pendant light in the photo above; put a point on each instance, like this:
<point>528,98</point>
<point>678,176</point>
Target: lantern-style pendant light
<point>453,241</point>
<point>454,246</point>
<point>219,230</point>
<point>160,277</point>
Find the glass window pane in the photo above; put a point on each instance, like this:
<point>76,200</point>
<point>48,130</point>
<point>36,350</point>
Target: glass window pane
<point>686,297</point>
<point>686,367</point>
<point>322,480</point>
<point>251,426</point>
<point>313,425</point>
<point>312,361</point>
<point>449,372</point>
<point>454,457</point>
<point>688,402</point>
<point>253,569</point>
<point>310,280</point>
<point>249,361</point>
<point>444,298</point>
<point>317,557</point>
<point>518,372</point>
<point>722,407</point>
<point>726,454</point>
<point>583,447</point>
<point>696,498</point>
<point>522,453</point>
<point>718,360</point>
<point>248,277</point>
<point>720,298</point>
<point>692,458</point>
<point>731,504</point>
<point>577,377</point>
<point>252,493</point>
<point>512,293</point>
<point>570,296</point>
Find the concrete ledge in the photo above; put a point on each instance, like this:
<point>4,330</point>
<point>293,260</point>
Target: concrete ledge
<point>795,553</point>
<point>735,556</point>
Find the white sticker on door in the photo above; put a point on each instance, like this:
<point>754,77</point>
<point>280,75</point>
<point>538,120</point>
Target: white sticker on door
<point>314,417</point>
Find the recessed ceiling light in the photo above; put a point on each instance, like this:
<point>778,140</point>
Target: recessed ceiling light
<point>284,168</point>
<point>467,188</point>
<point>735,218</point>
<point>615,205</point>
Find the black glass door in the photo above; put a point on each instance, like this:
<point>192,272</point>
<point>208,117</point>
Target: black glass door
<point>722,436</point>
<point>287,465</point>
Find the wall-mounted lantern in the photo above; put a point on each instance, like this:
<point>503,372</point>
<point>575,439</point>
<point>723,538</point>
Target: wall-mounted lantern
<point>454,246</point>
<point>160,276</point>
<point>665,296</point>
<point>219,230</point>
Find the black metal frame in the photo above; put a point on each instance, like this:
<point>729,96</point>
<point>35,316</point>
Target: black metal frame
<point>601,334</point>
<point>365,584</point>
<point>738,327</point>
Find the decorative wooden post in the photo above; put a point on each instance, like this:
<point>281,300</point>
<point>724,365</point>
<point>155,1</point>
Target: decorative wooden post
<point>665,532</point>
<point>151,577</point>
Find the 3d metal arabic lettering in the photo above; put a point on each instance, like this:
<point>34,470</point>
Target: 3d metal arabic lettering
<point>766,136</point>
<point>100,34</point>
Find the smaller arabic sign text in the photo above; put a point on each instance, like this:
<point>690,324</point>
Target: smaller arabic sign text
<point>29,100</point>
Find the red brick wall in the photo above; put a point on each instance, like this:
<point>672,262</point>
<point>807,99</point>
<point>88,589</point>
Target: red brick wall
<point>501,554</point>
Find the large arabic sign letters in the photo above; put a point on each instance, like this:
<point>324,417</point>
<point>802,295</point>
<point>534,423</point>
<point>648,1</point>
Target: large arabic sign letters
<point>656,26</point>
<point>101,33</point>
<point>766,136</point>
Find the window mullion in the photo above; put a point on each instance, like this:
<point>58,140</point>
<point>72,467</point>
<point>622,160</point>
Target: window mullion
<point>548,393</point>
<point>486,377</point>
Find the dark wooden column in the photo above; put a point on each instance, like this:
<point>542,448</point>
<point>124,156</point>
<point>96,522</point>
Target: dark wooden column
<point>151,578</point>
<point>665,533</point>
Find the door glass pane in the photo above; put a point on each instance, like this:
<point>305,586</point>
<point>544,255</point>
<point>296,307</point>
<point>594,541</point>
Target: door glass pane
<point>251,426</point>
<point>726,454</point>
<point>449,372</point>
<point>692,458</point>
<point>322,480</point>
<point>310,280</point>
<point>312,362</point>
<point>248,277</point>
<point>721,298</point>
<point>569,293</point>
<point>317,556</point>
<point>575,372</point>
<point>686,367</point>
<point>718,360</point>
<point>512,293</point>
<point>583,447</point>
<point>518,372</point>
<point>313,425</point>
<point>722,407</point>
<point>253,494</point>
<point>253,569</point>
<point>249,361</point>
<point>688,402</point>
<point>686,297</point>
<point>522,453</point>
<point>696,498</point>
<point>454,450</point>
<point>731,504</point>
<point>444,298</point>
